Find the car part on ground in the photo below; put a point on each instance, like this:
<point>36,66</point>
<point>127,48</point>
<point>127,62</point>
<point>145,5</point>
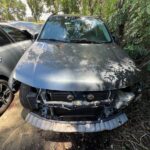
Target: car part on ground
<point>74,76</point>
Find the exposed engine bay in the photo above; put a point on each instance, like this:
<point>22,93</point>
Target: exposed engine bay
<point>77,107</point>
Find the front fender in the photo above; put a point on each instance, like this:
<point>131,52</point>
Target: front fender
<point>13,84</point>
<point>4,70</point>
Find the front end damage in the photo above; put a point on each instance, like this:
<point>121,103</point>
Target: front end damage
<point>72,87</point>
<point>63,111</point>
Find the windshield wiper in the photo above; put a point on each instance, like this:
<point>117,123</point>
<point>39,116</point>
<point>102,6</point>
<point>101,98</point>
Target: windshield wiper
<point>53,40</point>
<point>83,41</point>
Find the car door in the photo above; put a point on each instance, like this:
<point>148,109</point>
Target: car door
<point>22,39</point>
<point>11,49</point>
<point>6,53</point>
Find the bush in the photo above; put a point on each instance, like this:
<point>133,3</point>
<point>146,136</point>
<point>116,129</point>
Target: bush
<point>131,23</point>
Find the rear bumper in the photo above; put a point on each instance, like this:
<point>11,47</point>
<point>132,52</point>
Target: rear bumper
<point>76,126</point>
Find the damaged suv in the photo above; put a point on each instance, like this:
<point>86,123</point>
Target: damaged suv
<point>74,78</point>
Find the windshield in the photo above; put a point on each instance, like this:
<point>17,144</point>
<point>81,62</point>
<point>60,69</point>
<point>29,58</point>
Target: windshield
<point>75,29</point>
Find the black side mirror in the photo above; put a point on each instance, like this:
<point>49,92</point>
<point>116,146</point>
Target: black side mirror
<point>28,35</point>
<point>115,38</point>
<point>35,36</point>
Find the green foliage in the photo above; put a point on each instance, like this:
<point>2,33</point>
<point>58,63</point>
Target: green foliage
<point>107,8</point>
<point>83,7</point>
<point>131,22</point>
<point>136,51</point>
<point>12,9</point>
<point>36,8</point>
<point>70,6</point>
<point>148,67</point>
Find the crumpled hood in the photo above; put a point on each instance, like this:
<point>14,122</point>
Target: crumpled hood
<point>76,67</point>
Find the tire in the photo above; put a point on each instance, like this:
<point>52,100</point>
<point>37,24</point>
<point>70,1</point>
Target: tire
<point>24,91</point>
<point>6,96</point>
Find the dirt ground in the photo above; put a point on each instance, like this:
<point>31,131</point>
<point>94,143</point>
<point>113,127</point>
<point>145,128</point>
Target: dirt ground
<point>16,134</point>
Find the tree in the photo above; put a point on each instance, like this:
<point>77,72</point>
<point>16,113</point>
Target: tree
<point>12,9</point>
<point>36,8</point>
<point>70,6</point>
<point>20,10</point>
<point>131,22</point>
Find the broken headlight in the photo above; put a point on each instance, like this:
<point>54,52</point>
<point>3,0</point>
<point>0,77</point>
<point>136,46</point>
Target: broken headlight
<point>127,95</point>
<point>123,99</point>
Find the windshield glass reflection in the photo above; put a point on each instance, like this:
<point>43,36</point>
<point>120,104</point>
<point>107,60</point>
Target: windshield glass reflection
<point>75,29</point>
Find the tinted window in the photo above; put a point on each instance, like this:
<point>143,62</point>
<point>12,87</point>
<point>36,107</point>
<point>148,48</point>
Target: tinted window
<point>75,29</point>
<point>3,39</point>
<point>16,34</point>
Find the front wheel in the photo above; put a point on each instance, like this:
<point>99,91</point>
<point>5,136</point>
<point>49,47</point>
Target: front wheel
<point>6,96</point>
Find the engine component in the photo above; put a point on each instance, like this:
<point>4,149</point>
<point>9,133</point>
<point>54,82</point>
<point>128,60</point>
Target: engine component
<point>90,97</point>
<point>70,97</point>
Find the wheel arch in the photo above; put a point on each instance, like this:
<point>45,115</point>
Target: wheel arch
<point>5,71</point>
<point>4,77</point>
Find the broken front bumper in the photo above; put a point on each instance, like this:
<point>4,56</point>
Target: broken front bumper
<point>77,126</point>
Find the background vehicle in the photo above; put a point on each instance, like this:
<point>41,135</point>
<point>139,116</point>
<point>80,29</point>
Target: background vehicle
<point>31,27</point>
<point>74,78</point>
<point>13,43</point>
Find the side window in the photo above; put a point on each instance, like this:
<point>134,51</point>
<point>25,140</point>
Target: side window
<point>3,39</point>
<point>16,34</point>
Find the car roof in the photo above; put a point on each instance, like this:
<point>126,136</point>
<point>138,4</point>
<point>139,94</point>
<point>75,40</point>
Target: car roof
<point>69,15</point>
<point>31,27</point>
<point>7,24</point>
